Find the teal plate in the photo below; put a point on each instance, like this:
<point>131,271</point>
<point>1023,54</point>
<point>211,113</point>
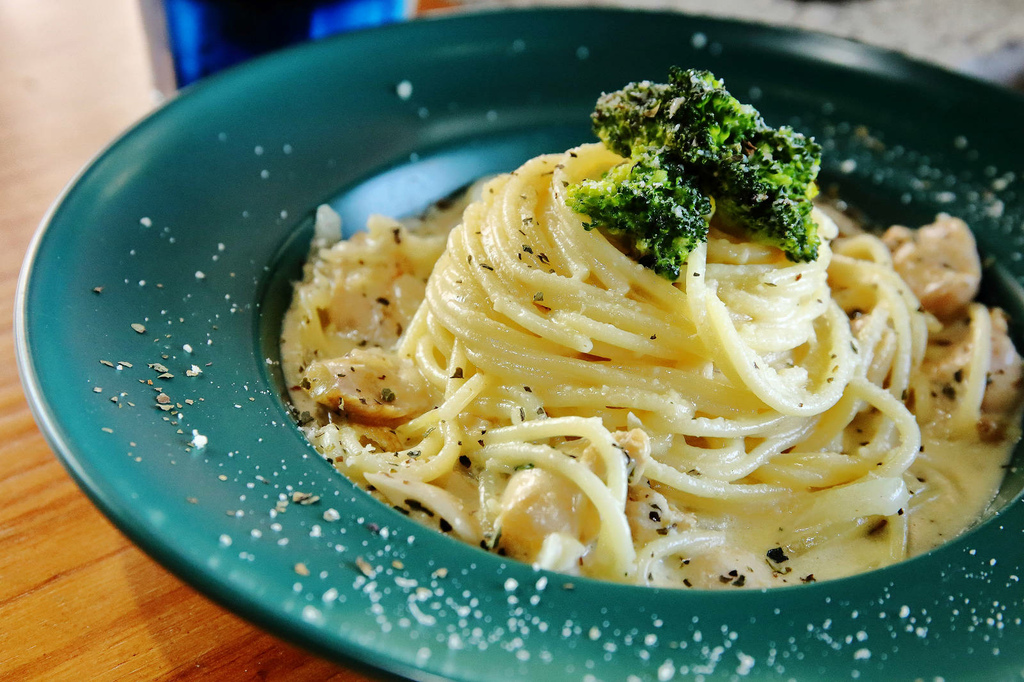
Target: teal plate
<point>194,220</point>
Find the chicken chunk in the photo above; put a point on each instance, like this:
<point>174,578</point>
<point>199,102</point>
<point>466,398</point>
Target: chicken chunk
<point>1004,373</point>
<point>372,387</point>
<point>535,504</point>
<point>939,262</point>
<point>368,287</point>
<point>949,353</point>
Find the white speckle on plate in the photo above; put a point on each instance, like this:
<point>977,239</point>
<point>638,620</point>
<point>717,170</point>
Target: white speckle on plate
<point>258,150</point>
<point>145,222</point>
<point>225,540</point>
<point>511,584</point>
<point>264,174</point>
<point>746,663</point>
<point>582,52</point>
<point>861,654</point>
<point>200,274</point>
<point>698,41</point>
<point>492,115</point>
<point>198,441</point>
<point>848,166</point>
<point>404,90</point>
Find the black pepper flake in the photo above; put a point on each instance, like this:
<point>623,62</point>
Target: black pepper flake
<point>457,374</point>
<point>655,516</point>
<point>415,505</point>
<point>958,376</point>
<point>445,526</point>
<point>465,461</point>
<point>777,555</point>
<point>527,249</point>
<point>383,301</point>
<point>949,391</point>
<point>485,266</point>
<point>809,578</point>
<point>739,582</point>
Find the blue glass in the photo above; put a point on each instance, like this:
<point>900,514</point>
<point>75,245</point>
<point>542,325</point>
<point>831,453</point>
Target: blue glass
<point>205,36</point>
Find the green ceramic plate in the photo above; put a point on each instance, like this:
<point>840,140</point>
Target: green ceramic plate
<point>193,221</point>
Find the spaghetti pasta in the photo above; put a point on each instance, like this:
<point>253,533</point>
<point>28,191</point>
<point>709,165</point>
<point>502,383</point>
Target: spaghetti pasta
<point>756,422</point>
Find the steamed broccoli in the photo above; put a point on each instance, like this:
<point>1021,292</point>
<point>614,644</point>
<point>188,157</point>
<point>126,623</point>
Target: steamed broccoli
<point>658,210</point>
<point>691,133</point>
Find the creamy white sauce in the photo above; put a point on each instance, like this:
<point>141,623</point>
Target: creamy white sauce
<point>954,483</point>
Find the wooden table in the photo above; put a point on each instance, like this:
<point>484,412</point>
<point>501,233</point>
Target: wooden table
<point>78,601</point>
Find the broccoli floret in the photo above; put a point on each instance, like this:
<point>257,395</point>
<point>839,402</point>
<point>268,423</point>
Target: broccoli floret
<point>692,133</point>
<point>692,117</point>
<point>658,210</point>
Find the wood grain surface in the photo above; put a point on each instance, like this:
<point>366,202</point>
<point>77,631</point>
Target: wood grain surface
<point>78,601</point>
